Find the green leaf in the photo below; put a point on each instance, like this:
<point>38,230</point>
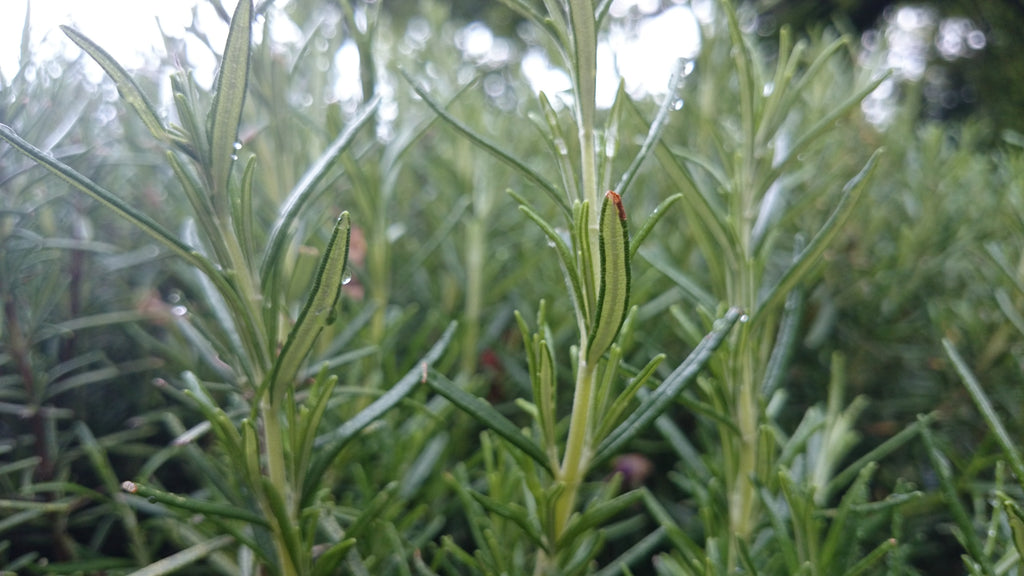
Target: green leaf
<point>72,177</point>
<point>656,215</point>
<point>584,36</point>
<point>488,146</point>
<point>995,424</point>
<point>560,147</point>
<point>1015,518</point>
<point>184,558</point>
<point>319,311</point>
<point>837,540</point>
<point>621,403</point>
<point>783,541</point>
<point>126,86</point>
<point>613,291</point>
<point>968,536</point>
<point>486,414</point>
<point>911,432</point>
<point>242,216</point>
<point>226,112</point>
<point>785,340</point>
<point>654,132</point>
<point>372,512</point>
<point>192,504</point>
<point>514,512</point>
<point>597,516</point>
<point>582,556</point>
<point>566,261</point>
<point>304,190</point>
<point>328,562</point>
<point>313,411</point>
<point>332,443</point>
<point>811,255</point>
<point>663,396</point>
<point>285,526</point>
<point>872,558</point>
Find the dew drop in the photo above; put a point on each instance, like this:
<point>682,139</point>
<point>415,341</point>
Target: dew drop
<point>551,243</point>
<point>234,157</point>
<point>744,319</point>
<point>237,145</point>
<point>678,104</point>
<point>179,310</point>
<point>346,277</point>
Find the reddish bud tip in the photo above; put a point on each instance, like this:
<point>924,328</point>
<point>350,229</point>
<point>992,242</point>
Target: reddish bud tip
<point>611,195</point>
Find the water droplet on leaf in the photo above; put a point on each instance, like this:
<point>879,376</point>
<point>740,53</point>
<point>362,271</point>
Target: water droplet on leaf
<point>346,277</point>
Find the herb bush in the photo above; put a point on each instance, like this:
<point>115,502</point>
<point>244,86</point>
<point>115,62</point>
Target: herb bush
<point>415,333</point>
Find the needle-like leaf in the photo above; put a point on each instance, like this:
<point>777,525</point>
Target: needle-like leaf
<point>226,112</point>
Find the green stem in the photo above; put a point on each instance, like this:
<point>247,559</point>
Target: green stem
<point>578,450</point>
<point>584,34</point>
<point>742,495</point>
<point>278,475</point>
<point>476,250</point>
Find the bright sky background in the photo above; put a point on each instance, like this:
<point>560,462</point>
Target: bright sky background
<point>128,30</point>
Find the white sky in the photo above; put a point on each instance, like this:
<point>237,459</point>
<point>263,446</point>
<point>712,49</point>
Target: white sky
<point>128,30</point>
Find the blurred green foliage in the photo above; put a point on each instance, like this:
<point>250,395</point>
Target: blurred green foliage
<point>91,316</point>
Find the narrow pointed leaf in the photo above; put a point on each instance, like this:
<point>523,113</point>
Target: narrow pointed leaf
<point>243,217</point>
<point>655,130</point>
<point>995,424</point>
<point>514,512</point>
<point>192,504</point>
<point>661,399</point>
<point>316,406</point>
<point>494,149</point>
<point>306,187</point>
<point>126,86</point>
<point>561,148</point>
<point>184,558</point>
<point>597,516</point>
<point>656,215</point>
<point>852,192</point>
<point>584,36</point>
<point>226,111</point>
<point>328,562</point>
<point>866,565</point>
<point>332,443</point>
<point>285,528</point>
<point>488,416</point>
<point>72,177</point>
<point>940,465</point>
<point>613,291</point>
<point>319,310</point>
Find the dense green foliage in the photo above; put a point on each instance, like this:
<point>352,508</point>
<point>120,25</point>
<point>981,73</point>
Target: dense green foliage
<point>258,330</point>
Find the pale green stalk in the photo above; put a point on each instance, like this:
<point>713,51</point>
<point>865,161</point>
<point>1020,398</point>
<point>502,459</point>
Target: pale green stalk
<point>584,34</point>
<point>578,450</point>
<point>476,250</point>
<point>278,475</point>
